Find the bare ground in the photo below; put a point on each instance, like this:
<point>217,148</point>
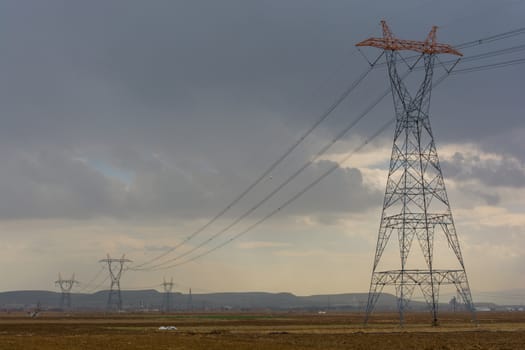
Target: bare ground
<point>260,331</point>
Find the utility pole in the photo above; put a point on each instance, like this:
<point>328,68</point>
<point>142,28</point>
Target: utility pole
<point>454,303</point>
<point>65,287</point>
<point>190,301</point>
<point>416,206</point>
<point>168,287</point>
<point>115,267</point>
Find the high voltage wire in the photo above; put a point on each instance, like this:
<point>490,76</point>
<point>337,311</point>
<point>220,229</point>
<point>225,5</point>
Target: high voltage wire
<point>317,180</point>
<point>313,183</point>
<point>321,152</point>
<point>161,265</point>
<point>298,194</point>
<point>490,66</point>
<point>341,98</point>
<point>505,51</point>
<point>483,55</point>
<point>473,43</point>
<point>288,202</point>
<point>98,285</point>
<point>272,167</point>
<point>309,186</point>
<point>88,284</point>
<point>489,39</point>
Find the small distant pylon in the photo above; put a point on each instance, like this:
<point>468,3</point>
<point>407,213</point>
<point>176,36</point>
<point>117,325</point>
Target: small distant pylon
<point>115,267</point>
<point>168,287</point>
<point>190,301</point>
<point>65,287</point>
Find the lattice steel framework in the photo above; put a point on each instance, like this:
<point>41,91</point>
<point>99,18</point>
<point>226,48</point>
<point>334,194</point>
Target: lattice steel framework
<point>65,287</point>
<point>190,301</point>
<point>415,205</point>
<point>115,267</point>
<point>168,287</point>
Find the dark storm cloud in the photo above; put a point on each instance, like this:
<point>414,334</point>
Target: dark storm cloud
<point>56,184</point>
<point>193,99</point>
<point>52,184</point>
<point>343,192</point>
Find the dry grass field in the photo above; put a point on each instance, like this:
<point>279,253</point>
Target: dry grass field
<point>259,331</point>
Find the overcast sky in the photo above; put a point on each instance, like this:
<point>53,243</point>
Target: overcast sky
<point>127,125</point>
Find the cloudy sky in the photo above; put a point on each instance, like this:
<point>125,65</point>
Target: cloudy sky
<point>127,125</point>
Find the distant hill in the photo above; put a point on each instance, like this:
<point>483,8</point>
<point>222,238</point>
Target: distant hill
<point>152,299</point>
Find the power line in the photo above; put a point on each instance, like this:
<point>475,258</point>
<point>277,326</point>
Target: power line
<point>504,51</point>
<point>98,285</point>
<point>473,43</point>
<point>312,184</point>
<point>490,66</point>
<point>87,284</point>
<point>272,167</point>
<point>492,38</point>
<point>323,117</point>
<point>297,195</point>
<point>289,201</point>
<point>481,56</point>
<point>312,160</point>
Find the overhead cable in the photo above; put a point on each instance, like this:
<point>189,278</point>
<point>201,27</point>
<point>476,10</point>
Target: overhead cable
<point>288,202</point>
<point>272,167</point>
<point>298,194</point>
<point>88,284</point>
<point>341,98</point>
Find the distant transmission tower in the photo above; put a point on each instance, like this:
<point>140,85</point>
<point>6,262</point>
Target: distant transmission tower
<point>415,203</point>
<point>168,287</point>
<point>190,301</point>
<point>115,267</point>
<point>65,287</point>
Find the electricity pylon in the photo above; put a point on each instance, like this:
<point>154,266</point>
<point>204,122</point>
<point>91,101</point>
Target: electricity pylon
<point>115,267</point>
<point>190,301</point>
<point>168,287</point>
<point>416,205</point>
<point>65,287</point>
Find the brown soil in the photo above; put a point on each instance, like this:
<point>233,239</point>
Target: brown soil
<point>260,331</point>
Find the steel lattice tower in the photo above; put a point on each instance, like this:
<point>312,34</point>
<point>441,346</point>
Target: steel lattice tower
<point>65,287</point>
<point>168,287</point>
<point>190,301</point>
<point>115,267</point>
<point>415,205</point>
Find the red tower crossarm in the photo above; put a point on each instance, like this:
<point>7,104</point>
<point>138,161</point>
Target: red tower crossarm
<point>429,46</point>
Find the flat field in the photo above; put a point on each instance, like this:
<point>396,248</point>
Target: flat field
<point>260,331</point>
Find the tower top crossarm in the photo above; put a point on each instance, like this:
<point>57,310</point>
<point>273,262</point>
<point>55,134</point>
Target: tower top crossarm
<point>61,280</point>
<point>429,46</point>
